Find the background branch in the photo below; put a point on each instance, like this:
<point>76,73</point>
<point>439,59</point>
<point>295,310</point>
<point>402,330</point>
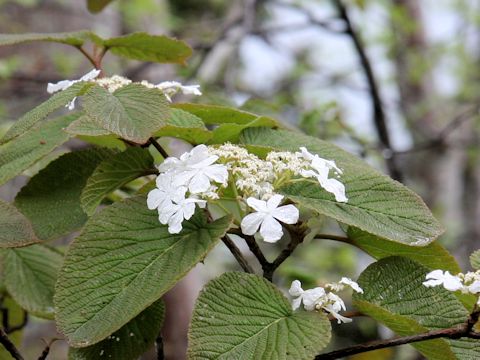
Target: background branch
<point>9,346</point>
<point>237,254</point>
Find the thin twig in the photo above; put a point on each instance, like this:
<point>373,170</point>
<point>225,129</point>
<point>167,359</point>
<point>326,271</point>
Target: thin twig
<point>333,237</point>
<point>9,346</point>
<point>379,118</point>
<point>157,146</point>
<point>46,351</point>
<point>87,55</point>
<point>456,332</point>
<point>254,248</point>
<point>237,254</point>
<point>159,346</point>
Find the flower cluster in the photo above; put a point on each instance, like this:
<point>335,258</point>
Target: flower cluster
<point>201,174</point>
<point>320,299</point>
<point>184,182</point>
<point>468,283</point>
<point>115,82</point>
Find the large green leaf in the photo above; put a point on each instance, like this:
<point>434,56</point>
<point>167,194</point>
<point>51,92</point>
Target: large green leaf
<point>128,343</point>
<point>186,126</point>
<point>95,6</point>
<point>16,230</point>
<point>394,295</point>
<point>55,102</point>
<point>475,260</point>
<point>76,38</point>
<point>30,275</point>
<point>433,256</point>
<point>51,199</point>
<point>243,316</point>
<point>113,173</point>
<point>376,204</point>
<point>17,156</point>
<point>145,47</point>
<point>231,132</point>
<point>133,112</point>
<point>124,261</point>
<point>216,114</point>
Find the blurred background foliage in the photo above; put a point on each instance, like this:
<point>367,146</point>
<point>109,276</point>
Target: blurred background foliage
<point>415,118</point>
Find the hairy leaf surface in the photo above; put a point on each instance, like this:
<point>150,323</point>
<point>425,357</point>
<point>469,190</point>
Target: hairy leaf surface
<point>30,275</point>
<point>475,260</point>
<point>51,199</point>
<point>124,261</point>
<point>16,230</point>
<point>243,316</point>
<point>76,38</point>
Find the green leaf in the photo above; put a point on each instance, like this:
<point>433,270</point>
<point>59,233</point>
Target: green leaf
<point>95,6</point>
<point>231,132</point>
<point>76,38</point>
<point>243,316</point>
<point>55,102</point>
<point>133,112</point>
<point>128,343</point>
<point>51,199</point>
<point>376,204</point>
<point>215,114</point>
<point>186,126</point>
<point>123,261</point>
<point>17,156</point>
<point>30,275</point>
<point>395,296</point>
<point>433,256</point>
<point>86,126</point>
<point>114,172</point>
<point>16,229</point>
<point>145,47</point>
<point>475,260</point>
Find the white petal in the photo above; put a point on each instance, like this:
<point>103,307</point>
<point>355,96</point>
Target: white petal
<point>452,283</point>
<point>154,198</point>
<point>61,85</point>
<point>336,188</point>
<point>90,75</point>
<point>271,230</point>
<point>336,315</point>
<point>296,288</point>
<point>199,183</point>
<point>256,204</point>
<point>287,214</point>
<point>71,104</point>
<point>352,284</point>
<point>435,274</point>
<point>296,303</point>
<point>191,90</point>
<point>432,283</point>
<point>175,223</point>
<point>188,210</point>
<point>274,201</point>
<point>251,223</point>
<point>217,173</point>
<point>474,288</point>
<point>312,297</point>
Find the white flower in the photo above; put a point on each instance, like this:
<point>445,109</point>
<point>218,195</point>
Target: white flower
<point>266,216</point>
<point>65,84</point>
<point>177,212</point>
<point>170,88</point>
<point>438,277</point>
<point>317,299</point>
<point>195,169</point>
<point>345,282</point>
<point>165,193</point>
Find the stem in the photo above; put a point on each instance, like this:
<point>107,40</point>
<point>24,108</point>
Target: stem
<point>379,118</point>
<point>456,332</point>
<point>159,346</point>
<point>9,346</point>
<point>157,146</point>
<point>237,254</point>
<point>343,239</point>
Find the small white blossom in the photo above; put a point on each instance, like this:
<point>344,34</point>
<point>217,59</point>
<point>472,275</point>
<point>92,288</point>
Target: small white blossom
<point>196,170</point>
<point>65,84</point>
<point>266,216</point>
<point>170,88</point>
<point>113,83</point>
<point>438,277</point>
<point>177,212</point>
<point>318,299</point>
<point>345,282</point>
<point>166,193</point>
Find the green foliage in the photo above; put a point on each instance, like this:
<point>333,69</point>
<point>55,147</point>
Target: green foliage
<point>146,47</point>
<point>475,260</point>
<point>186,126</point>
<point>43,110</point>
<point>133,112</point>
<point>433,256</point>
<point>376,204</point>
<point>16,229</point>
<point>76,38</point>
<point>128,343</point>
<point>17,156</point>
<point>51,199</point>
<point>395,296</point>
<point>123,261</point>
<point>113,173</point>
<point>243,316</point>
<point>95,6</point>
<point>30,275</point>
